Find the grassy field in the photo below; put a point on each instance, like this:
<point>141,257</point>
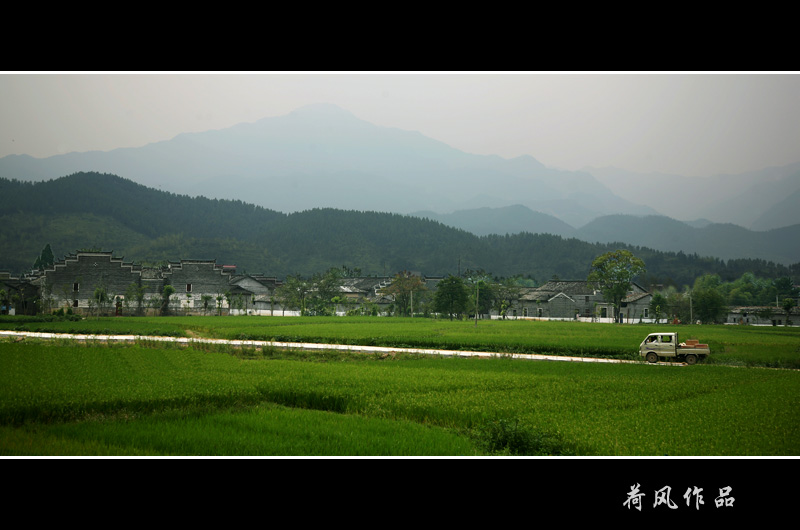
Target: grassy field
<point>730,345</point>
<point>60,398</point>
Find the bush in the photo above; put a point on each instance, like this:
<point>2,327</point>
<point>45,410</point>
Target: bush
<point>509,437</point>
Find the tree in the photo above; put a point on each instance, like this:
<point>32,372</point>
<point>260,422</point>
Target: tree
<point>451,297</point>
<point>403,288</point>
<point>324,288</point>
<point>100,298</point>
<point>135,292</point>
<point>785,287</point>
<point>658,305</point>
<point>678,305</point>
<point>206,299</point>
<point>165,294</point>
<point>708,304</point>
<point>613,273</point>
<point>788,304</point>
<point>46,258</point>
<point>480,291</point>
<point>293,292</point>
<point>506,292</point>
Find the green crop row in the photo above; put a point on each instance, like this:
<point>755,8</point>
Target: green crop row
<point>737,345</point>
<point>155,399</point>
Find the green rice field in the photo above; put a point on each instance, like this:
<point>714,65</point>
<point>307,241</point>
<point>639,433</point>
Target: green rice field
<point>65,398</point>
<point>777,347</point>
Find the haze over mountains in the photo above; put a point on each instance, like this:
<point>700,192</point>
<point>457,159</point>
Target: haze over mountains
<point>322,156</point>
<point>758,200</point>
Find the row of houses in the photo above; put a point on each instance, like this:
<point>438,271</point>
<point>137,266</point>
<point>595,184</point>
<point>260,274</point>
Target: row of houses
<point>99,283</point>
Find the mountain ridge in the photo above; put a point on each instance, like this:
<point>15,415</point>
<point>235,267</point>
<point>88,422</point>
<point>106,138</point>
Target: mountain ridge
<point>85,210</point>
<point>721,240</point>
<point>324,156</point>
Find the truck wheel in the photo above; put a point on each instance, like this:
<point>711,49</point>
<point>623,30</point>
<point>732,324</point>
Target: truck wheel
<point>691,359</point>
<point>652,357</point>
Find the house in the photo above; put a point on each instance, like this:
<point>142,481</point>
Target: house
<point>578,300</point>
<point>561,300</point>
<point>200,286</point>
<point>92,282</point>
<point>99,283</point>
<point>761,316</point>
<point>635,307</point>
<point>261,290</point>
<point>17,295</point>
<point>364,293</point>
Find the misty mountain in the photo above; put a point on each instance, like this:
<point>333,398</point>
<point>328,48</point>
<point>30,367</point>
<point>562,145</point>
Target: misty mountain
<point>759,200</point>
<point>107,212</point>
<point>323,156</point>
<point>504,220</point>
<point>782,213</point>
<point>721,240</point>
<point>702,237</point>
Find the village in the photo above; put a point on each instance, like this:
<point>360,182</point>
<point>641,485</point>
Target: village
<point>98,283</point>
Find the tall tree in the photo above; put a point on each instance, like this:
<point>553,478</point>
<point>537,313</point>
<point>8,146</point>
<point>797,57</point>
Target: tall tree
<point>481,292</point>
<point>708,305</point>
<point>293,292</point>
<point>46,258</point>
<point>402,288</point>
<point>323,289</point>
<point>788,305</point>
<point>658,306</point>
<point>613,273</point>
<point>452,297</point>
<point>506,293</point>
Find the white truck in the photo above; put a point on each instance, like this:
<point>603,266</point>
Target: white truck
<point>658,345</point>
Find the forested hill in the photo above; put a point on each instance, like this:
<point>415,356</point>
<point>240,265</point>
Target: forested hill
<point>106,212</point>
<point>145,210</point>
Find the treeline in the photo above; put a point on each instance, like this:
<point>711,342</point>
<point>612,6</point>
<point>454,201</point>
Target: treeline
<point>147,225</point>
<point>710,297</point>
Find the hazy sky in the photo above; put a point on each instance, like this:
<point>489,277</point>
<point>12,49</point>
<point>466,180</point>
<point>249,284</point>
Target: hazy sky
<point>690,124</point>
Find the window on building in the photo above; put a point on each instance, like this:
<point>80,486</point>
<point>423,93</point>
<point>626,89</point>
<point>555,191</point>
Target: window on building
<point>525,311</point>
<point>539,311</point>
<point>75,286</point>
<point>646,312</point>
<point>188,287</point>
<point>74,303</point>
